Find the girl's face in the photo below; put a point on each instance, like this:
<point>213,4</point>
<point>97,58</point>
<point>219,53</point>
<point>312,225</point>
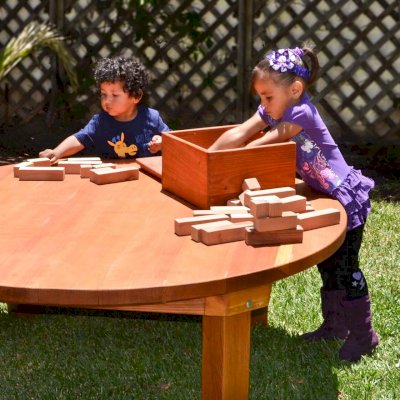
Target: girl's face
<point>274,97</point>
<point>116,102</point>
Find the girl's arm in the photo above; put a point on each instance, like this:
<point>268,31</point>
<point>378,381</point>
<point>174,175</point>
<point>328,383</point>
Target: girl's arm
<point>235,137</point>
<point>71,145</point>
<point>282,133</point>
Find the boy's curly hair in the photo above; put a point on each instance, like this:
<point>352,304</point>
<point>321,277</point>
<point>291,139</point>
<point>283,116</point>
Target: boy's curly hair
<point>131,72</point>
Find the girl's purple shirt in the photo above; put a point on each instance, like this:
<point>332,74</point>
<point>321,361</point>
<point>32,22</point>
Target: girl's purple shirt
<point>320,163</point>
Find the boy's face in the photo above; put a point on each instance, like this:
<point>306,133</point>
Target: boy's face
<point>116,102</point>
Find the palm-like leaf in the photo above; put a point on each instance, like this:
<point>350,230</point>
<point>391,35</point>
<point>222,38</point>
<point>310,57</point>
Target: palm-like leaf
<point>31,38</point>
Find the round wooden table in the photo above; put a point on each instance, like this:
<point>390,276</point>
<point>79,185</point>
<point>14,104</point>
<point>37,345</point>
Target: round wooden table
<point>74,243</point>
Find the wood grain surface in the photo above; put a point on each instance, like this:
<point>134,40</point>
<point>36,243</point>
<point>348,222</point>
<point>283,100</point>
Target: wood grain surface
<point>77,243</point>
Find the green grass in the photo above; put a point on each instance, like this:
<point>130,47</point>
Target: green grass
<point>89,355</point>
<point>283,367</point>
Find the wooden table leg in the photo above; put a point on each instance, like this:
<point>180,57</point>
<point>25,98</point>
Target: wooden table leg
<point>226,357</point>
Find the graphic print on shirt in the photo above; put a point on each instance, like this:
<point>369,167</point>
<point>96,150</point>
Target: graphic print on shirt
<point>314,164</point>
<point>121,148</point>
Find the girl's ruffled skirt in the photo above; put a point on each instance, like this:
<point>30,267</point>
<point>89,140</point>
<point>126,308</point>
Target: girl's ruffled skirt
<point>353,194</point>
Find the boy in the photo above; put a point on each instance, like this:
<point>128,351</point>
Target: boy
<point>124,129</point>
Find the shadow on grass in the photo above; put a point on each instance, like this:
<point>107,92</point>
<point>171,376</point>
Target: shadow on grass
<point>285,367</point>
<point>98,355</point>
<point>83,354</point>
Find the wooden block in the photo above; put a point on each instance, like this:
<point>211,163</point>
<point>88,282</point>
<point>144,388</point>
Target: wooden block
<point>222,210</point>
<point>41,174</point>
<point>104,165</point>
<point>266,206</point>
<point>273,238</point>
<point>241,217</point>
<point>80,159</point>
<point>204,212</point>
<point>229,209</point>
<point>251,184</point>
<point>319,218</point>
<point>288,220</point>
<point>234,202</point>
<point>70,168</point>
<point>195,230</point>
<point>258,209</point>
<point>74,166</point>
<point>151,165</point>
<point>280,192</point>
<point>20,165</point>
<point>224,234</point>
<point>40,162</point>
<point>103,176</point>
<point>183,225</point>
<point>241,197</point>
<point>86,168</point>
<point>308,209</point>
<point>294,203</point>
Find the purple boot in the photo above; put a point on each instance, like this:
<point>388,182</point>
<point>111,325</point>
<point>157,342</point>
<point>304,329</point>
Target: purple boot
<point>334,324</point>
<point>362,338</point>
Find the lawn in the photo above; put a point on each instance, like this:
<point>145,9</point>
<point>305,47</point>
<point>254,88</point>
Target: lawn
<point>92,355</point>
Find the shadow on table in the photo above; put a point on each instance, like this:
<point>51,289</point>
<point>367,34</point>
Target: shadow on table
<point>285,367</point>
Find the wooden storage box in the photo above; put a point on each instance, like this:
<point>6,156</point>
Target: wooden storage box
<point>206,178</point>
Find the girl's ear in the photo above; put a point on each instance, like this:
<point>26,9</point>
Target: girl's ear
<point>296,89</point>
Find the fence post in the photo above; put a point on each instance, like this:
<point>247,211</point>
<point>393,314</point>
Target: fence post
<point>244,57</point>
<point>56,16</point>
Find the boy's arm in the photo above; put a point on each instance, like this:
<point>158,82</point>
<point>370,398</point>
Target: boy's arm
<point>281,133</point>
<point>71,145</point>
<point>235,137</point>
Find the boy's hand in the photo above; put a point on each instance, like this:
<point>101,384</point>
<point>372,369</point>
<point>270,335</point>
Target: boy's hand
<point>51,154</point>
<point>155,144</point>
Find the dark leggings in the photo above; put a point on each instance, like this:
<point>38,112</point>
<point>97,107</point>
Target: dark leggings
<point>341,271</point>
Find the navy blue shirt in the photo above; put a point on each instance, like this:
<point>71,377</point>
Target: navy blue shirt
<point>108,138</point>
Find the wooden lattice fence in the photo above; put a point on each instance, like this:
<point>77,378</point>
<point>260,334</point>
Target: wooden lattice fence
<point>200,54</point>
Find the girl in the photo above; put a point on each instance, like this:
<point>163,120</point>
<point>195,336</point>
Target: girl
<point>281,80</point>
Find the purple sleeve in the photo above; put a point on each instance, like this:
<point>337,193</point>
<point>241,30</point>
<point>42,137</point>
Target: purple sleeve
<point>303,116</point>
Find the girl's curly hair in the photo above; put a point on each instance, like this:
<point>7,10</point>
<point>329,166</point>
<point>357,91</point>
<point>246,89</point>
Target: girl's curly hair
<point>131,72</point>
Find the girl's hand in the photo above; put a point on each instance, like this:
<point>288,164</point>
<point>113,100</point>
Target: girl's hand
<point>240,134</point>
<point>154,145</point>
<point>283,132</point>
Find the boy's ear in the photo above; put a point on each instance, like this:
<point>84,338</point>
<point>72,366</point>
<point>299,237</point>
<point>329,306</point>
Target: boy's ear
<point>296,89</point>
<point>138,97</point>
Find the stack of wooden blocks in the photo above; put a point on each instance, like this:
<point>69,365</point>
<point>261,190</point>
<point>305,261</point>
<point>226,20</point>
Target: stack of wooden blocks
<point>41,169</point>
<point>259,217</point>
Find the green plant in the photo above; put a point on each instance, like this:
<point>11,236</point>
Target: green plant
<point>34,36</point>
<point>146,19</point>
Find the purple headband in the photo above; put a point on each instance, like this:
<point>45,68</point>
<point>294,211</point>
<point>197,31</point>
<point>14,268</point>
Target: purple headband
<point>287,60</point>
